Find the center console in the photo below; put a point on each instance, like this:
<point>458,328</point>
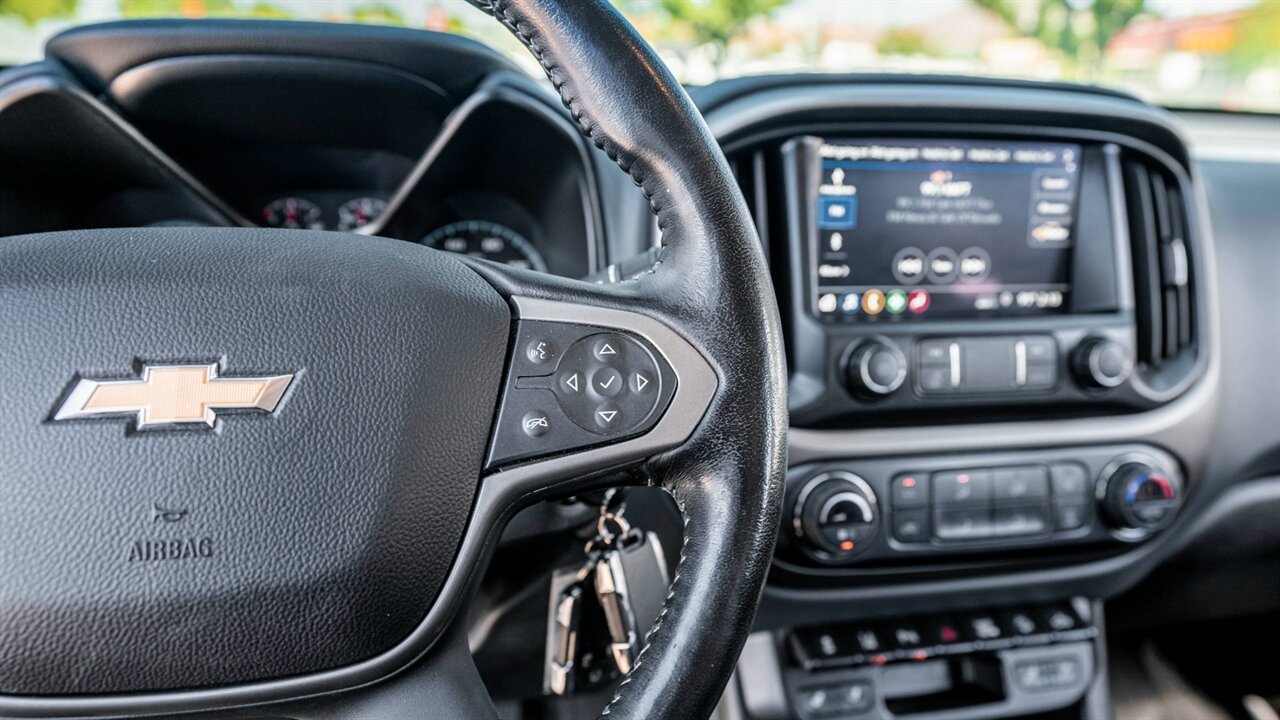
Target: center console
<point>994,301</point>
<point>980,274</point>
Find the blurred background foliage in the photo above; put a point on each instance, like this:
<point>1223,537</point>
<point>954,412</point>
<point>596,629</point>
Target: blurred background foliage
<point>1222,54</point>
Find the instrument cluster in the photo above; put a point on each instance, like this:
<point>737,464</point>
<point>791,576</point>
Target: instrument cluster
<point>480,238</point>
<point>322,212</point>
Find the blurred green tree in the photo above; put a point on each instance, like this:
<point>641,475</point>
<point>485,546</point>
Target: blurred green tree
<point>1079,29</point>
<point>1258,40</point>
<point>902,41</point>
<point>33,11</point>
<point>377,14</point>
<point>717,22</point>
<point>201,8</point>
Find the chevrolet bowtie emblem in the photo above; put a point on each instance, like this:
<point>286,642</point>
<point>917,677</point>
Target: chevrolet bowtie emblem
<point>173,395</point>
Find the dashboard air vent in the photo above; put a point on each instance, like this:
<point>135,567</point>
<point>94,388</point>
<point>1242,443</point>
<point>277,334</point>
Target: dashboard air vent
<point>750,172</point>
<point>1161,264</point>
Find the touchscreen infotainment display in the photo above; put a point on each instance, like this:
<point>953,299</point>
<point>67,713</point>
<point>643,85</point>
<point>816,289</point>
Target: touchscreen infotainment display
<point>920,229</point>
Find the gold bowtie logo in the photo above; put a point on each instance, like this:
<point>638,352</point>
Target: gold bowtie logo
<point>173,395</point>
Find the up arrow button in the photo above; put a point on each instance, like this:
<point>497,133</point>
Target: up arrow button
<point>608,349</point>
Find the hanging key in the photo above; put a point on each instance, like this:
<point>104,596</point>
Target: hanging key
<point>631,583</point>
<point>576,635</point>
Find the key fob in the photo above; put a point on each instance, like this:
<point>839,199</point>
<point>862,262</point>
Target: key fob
<point>577,645</point>
<point>631,582</point>
<point>562,632</point>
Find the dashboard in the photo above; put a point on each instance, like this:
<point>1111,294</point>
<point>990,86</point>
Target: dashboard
<point>1028,325</point>
<point>301,140</point>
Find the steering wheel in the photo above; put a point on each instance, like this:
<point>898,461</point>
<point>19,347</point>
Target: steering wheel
<point>259,471</point>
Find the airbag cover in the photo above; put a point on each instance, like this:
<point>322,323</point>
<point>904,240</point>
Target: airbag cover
<point>271,544</point>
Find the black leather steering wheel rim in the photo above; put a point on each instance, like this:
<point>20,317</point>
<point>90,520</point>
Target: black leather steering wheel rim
<point>710,288</point>
<point>710,282</point>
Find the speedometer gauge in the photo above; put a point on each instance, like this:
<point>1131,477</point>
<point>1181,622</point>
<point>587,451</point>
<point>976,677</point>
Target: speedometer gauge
<point>359,212</point>
<point>488,240</point>
<point>293,213</point>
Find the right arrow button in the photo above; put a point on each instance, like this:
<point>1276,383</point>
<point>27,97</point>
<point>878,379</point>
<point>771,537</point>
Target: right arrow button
<point>639,382</point>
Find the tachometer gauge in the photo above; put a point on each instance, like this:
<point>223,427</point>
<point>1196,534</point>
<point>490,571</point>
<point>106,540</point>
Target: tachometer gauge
<point>359,212</point>
<point>293,213</point>
<point>487,240</point>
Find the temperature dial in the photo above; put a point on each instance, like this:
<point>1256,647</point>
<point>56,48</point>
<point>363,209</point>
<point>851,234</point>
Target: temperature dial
<point>836,516</point>
<point>1139,498</point>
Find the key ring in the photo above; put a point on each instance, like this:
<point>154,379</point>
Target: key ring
<point>602,527</point>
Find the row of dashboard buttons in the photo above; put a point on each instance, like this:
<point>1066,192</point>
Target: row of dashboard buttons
<point>990,503</point>
<point>917,639</point>
<point>987,364</point>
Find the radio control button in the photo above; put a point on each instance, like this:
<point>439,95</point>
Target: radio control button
<point>935,353</point>
<point>872,302</point>
<point>1101,363</point>
<point>943,265</point>
<point>909,266</point>
<point>1040,377</point>
<point>875,368</point>
<point>1041,350</point>
<point>935,380</point>
<point>975,264</point>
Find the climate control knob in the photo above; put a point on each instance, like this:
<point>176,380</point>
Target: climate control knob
<point>875,368</point>
<point>1101,363</point>
<point>1138,498</point>
<point>836,516</point>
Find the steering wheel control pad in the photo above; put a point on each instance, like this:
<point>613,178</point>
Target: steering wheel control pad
<point>573,386</point>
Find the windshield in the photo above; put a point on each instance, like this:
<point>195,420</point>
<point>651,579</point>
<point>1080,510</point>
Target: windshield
<point>1212,54</point>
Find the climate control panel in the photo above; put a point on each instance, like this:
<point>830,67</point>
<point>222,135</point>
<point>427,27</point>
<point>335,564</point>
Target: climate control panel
<point>850,512</point>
